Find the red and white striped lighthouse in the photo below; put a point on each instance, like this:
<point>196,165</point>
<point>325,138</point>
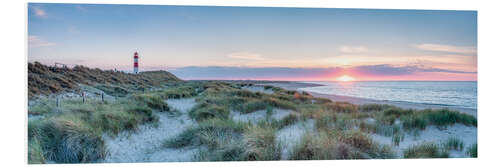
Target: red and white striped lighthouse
<point>136,62</point>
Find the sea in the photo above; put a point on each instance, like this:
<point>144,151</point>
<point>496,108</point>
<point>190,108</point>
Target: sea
<point>461,94</point>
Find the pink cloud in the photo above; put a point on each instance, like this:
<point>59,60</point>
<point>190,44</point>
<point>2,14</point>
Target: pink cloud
<point>35,41</point>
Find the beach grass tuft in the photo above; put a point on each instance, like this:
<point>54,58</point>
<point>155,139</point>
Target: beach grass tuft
<point>74,134</point>
<point>425,150</point>
<point>453,143</point>
<point>472,150</point>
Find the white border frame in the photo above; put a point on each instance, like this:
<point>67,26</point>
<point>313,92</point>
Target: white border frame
<point>14,44</point>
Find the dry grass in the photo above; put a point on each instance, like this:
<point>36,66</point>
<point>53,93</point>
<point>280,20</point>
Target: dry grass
<point>46,80</point>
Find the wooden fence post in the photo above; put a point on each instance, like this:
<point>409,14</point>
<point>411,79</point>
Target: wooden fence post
<point>83,97</point>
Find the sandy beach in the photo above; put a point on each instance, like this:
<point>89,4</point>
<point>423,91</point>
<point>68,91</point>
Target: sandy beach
<point>355,100</point>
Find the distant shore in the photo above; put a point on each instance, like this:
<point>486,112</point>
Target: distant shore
<point>356,100</point>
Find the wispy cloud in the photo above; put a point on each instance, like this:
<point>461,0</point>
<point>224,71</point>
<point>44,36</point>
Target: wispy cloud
<point>447,48</point>
<point>391,70</point>
<point>35,41</point>
<point>353,49</point>
<point>39,12</point>
<point>246,56</point>
<point>287,73</point>
<point>81,8</point>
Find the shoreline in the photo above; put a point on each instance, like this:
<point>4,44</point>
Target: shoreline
<point>361,101</point>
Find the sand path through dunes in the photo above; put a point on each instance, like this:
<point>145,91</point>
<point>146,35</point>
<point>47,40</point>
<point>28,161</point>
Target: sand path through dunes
<point>145,145</point>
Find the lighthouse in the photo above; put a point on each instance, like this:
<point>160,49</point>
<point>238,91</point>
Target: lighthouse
<point>136,62</point>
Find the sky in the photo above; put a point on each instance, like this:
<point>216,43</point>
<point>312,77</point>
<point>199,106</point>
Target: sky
<point>258,43</point>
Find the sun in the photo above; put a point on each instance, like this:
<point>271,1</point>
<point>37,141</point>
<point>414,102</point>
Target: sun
<point>345,78</point>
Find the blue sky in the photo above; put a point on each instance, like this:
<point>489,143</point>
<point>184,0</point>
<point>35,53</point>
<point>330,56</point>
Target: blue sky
<point>179,38</point>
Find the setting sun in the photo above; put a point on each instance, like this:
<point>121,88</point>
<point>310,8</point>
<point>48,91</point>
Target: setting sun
<point>345,78</point>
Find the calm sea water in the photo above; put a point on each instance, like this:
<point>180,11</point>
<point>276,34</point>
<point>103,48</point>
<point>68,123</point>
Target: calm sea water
<point>460,94</point>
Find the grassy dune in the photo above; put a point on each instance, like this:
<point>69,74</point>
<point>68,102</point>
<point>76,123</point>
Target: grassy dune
<point>72,133</point>
<point>45,80</point>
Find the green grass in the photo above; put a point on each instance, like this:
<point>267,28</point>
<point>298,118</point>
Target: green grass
<point>472,150</point>
<point>397,138</point>
<point>321,147</point>
<point>153,101</point>
<point>203,111</point>
<point>35,151</point>
<point>179,92</point>
<point>412,119</point>
<point>45,106</point>
<point>341,107</point>
<point>374,107</point>
<point>259,144</point>
<point>228,140</point>
<point>251,106</point>
<point>192,136</point>
<point>74,135</point>
<point>339,145</point>
<point>68,140</point>
<point>113,90</point>
<point>425,150</point>
<point>286,121</point>
<point>453,143</point>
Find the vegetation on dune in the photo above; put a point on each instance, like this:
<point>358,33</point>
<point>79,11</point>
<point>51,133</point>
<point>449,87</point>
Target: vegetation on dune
<point>153,101</point>
<point>472,150</point>
<point>193,136</point>
<point>179,92</point>
<point>425,150</point>
<point>259,144</point>
<point>374,107</point>
<point>327,145</point>
<point>44,80</point>
<point>72,132</point>
<point>413,119</point>
<point>453,143</point>
<point>113,90</point>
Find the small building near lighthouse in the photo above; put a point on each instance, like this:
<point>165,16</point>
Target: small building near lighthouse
<point>136,62</point>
